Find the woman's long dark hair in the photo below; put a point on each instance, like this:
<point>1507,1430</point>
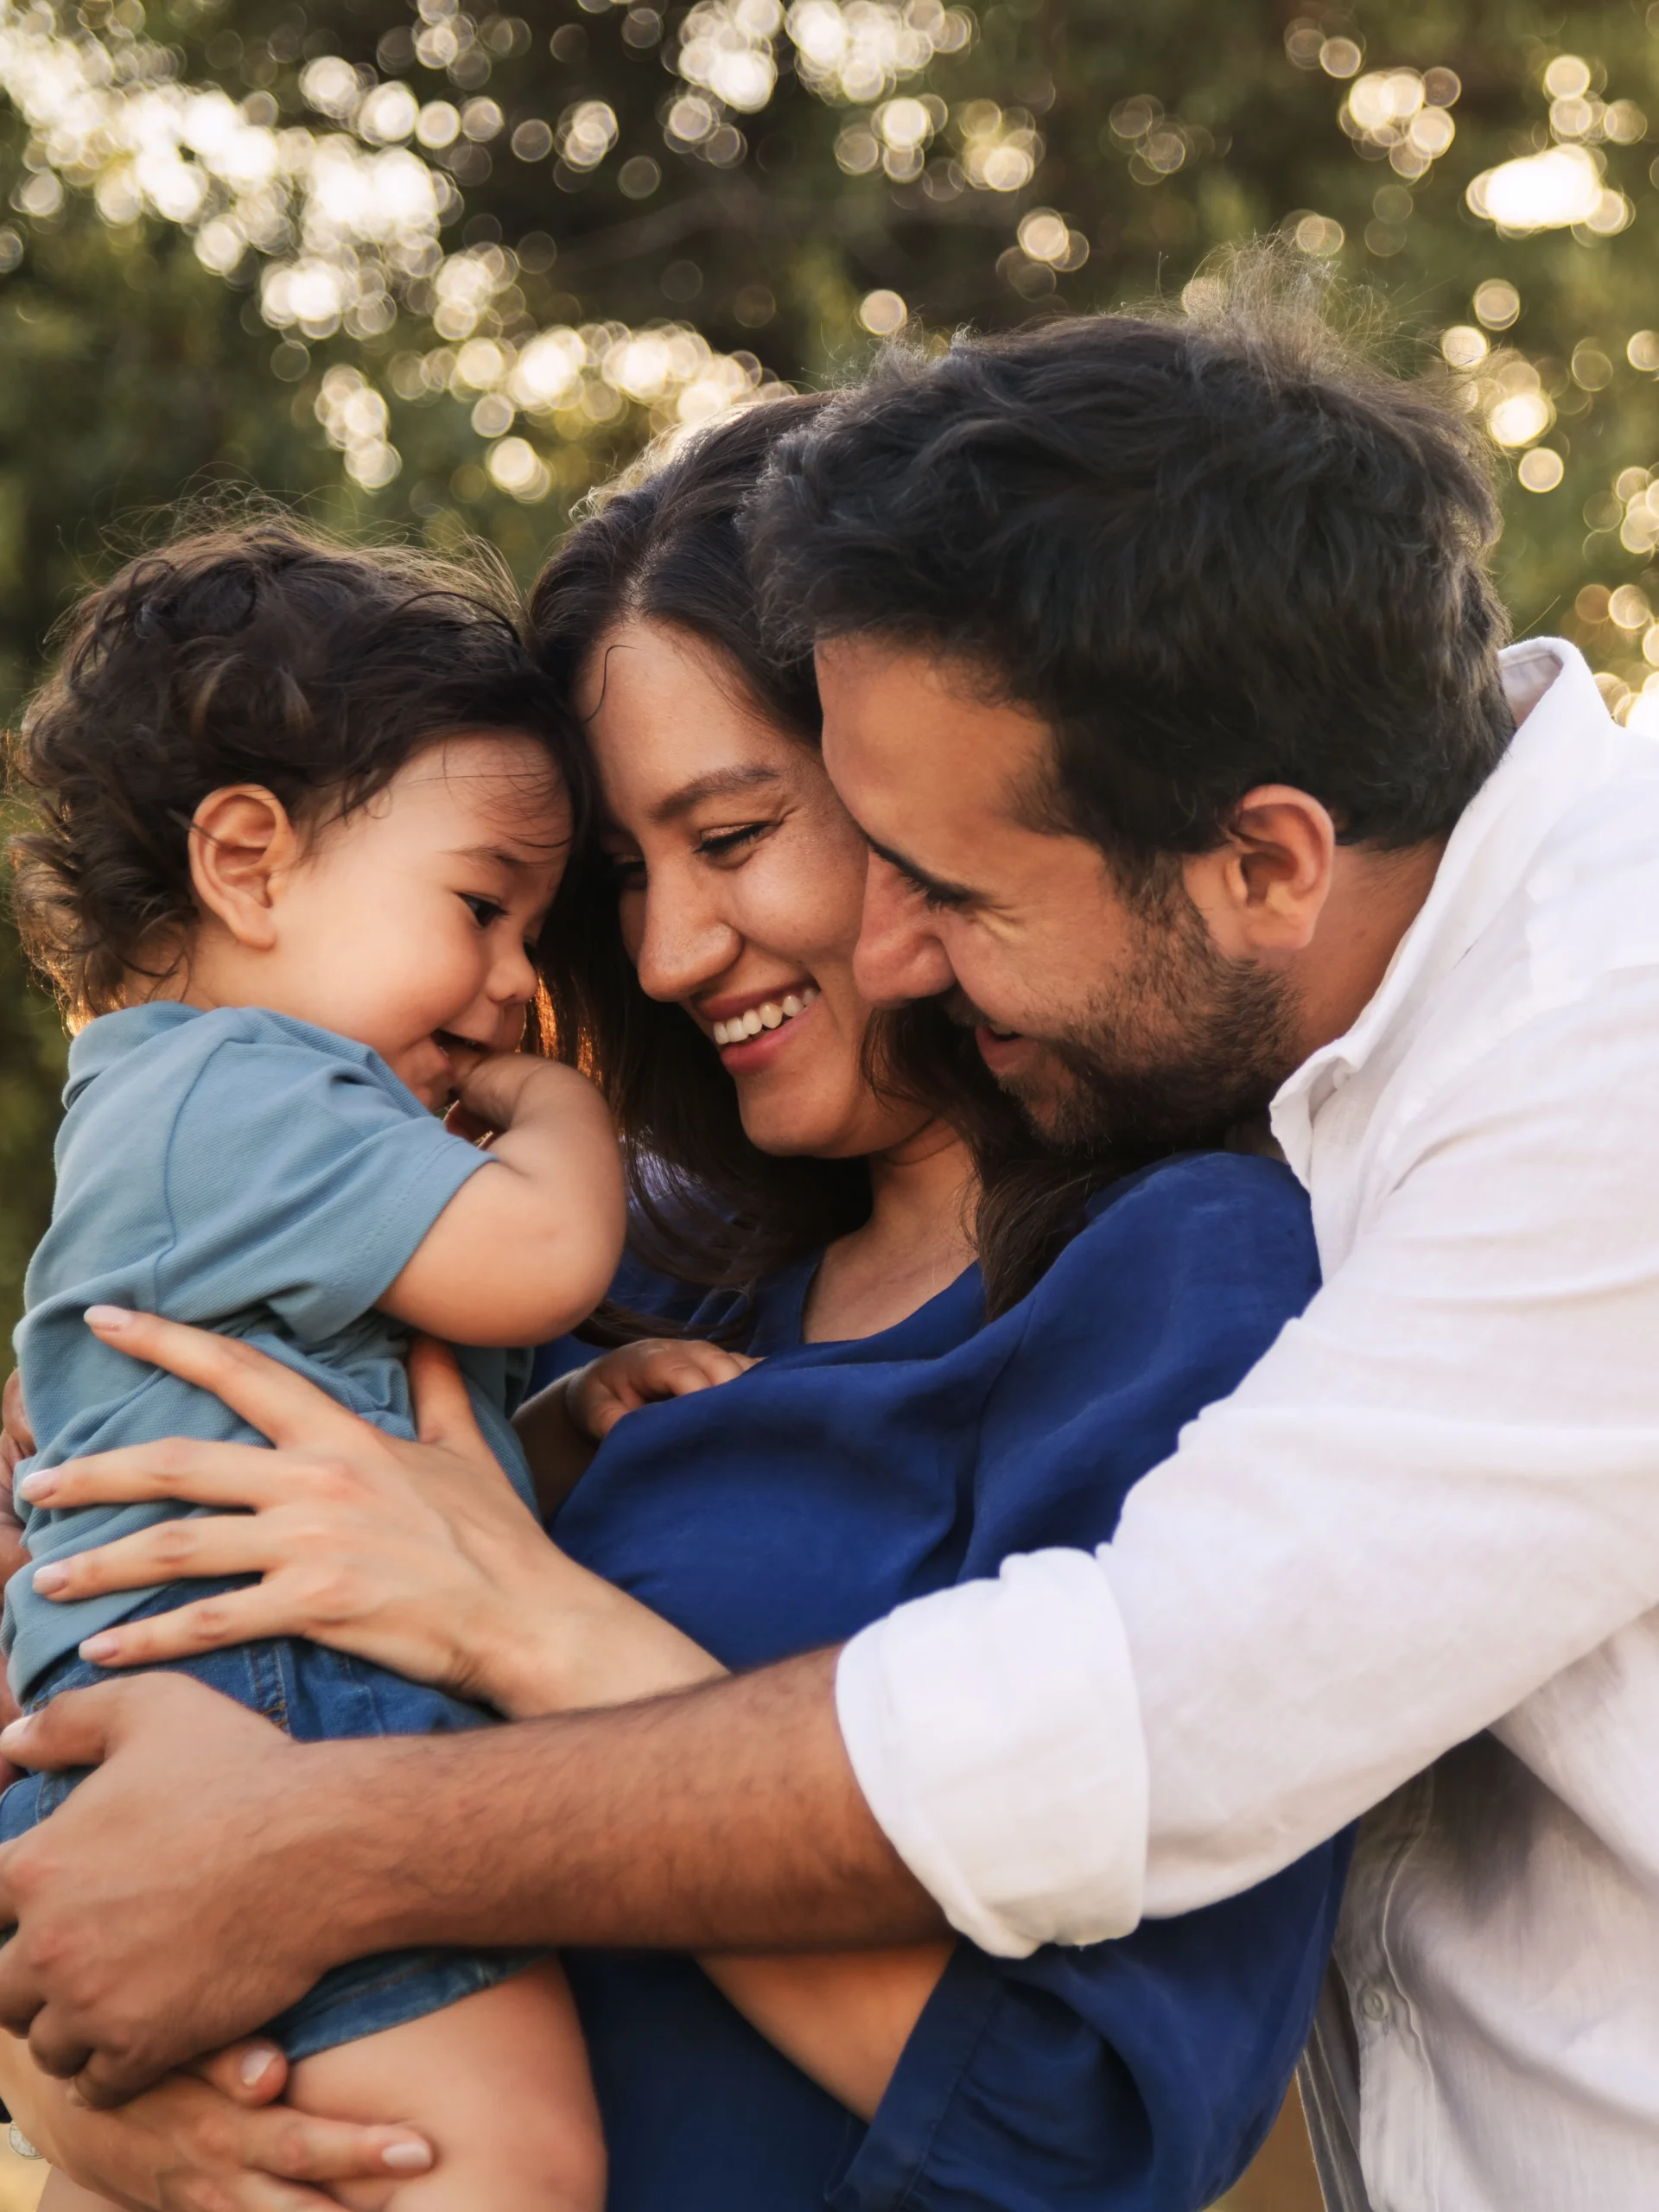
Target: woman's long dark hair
<point>709,1208</point>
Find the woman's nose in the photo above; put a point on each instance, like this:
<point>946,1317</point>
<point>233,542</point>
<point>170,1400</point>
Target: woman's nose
<point>685,942</point>
<point>898,955</point>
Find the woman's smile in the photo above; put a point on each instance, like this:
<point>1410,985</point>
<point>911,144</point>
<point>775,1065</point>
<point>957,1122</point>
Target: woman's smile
<point>762,1016</point>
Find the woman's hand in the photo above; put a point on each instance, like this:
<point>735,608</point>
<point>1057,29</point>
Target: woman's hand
<point>420,1557</point>
<point>214,2136</point>
<point>637,1375</point>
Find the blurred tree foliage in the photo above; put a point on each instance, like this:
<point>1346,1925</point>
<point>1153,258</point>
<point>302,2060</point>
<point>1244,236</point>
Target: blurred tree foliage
<point>440,272</point>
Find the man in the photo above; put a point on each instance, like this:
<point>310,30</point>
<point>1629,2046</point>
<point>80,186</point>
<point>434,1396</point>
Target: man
<point>1160,668</point>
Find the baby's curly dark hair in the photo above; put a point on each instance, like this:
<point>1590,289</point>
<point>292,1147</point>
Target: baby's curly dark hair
<point>261,652</point>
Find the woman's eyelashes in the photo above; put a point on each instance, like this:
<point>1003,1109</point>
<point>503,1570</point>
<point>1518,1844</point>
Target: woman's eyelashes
<point>730,844</point>
<point>627,868</point>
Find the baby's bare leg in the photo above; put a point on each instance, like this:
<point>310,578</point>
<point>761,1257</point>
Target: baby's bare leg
<point>498,2083</point>
<point>62,2195</point>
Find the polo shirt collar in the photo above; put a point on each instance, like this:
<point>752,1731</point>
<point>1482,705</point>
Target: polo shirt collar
<point>1565,744</point>
<point>112,1036</point>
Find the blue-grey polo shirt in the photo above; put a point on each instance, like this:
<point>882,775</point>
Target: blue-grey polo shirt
<point>250,1174</point>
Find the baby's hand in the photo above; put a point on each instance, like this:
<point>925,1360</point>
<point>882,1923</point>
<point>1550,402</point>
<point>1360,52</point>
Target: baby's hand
<point>622,1381</point>
<point>493,1086</point>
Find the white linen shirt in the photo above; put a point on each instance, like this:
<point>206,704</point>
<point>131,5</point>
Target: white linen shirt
<point>1421,1540</point>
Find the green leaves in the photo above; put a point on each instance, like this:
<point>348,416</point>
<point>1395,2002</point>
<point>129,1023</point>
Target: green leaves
<point>443,272</point>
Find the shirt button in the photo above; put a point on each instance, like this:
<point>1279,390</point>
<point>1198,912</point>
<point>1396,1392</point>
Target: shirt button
<point>1375,2005</point>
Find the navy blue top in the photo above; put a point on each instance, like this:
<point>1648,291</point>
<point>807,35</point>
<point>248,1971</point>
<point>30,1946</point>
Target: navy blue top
<point>789,1509</point>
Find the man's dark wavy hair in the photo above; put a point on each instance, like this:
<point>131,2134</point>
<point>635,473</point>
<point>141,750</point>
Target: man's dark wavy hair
<point>1211,551</point>
<point>255,651</point>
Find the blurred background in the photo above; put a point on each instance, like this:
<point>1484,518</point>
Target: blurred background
<point>440,272</point>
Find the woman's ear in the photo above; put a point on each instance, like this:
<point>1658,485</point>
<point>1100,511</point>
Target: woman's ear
<point>1262,890</point>
<point>241,840</point>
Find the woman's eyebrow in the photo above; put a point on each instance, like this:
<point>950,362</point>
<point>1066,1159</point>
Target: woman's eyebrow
<point>719,783</point>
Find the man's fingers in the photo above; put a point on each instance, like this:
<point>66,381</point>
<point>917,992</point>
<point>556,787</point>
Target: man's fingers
<point>269,1396</point>
<point>61,2050</point>
<point>75,1730</point>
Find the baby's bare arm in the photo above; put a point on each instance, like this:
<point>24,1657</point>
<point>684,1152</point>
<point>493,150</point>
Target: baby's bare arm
<point>528,1245</point>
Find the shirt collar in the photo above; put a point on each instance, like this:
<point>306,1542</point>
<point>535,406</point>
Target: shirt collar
<point>112,1036</point>
<point>1565,745</point>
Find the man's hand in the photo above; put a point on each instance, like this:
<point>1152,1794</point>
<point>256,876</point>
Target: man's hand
<point>127,1960</point>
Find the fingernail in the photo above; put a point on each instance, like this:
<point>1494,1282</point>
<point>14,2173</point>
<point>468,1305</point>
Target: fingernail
<point>98,1651</point>
<point>256,2065</point>
<point>49,1578</point>
<point>110,1319</point>
<point>37,1486</point>
<point>407,2157</point>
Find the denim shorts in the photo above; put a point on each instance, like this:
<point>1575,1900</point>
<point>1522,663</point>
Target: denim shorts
<point>313,1695</point>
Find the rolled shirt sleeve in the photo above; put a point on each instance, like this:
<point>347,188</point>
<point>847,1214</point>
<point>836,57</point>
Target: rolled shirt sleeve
<point>963,1715</point>
<point>1435,1493</point>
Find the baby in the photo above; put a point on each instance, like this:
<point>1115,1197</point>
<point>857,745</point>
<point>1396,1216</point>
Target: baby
<point>300,819</point>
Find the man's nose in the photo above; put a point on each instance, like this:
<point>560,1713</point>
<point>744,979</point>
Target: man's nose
<point>898,955</point>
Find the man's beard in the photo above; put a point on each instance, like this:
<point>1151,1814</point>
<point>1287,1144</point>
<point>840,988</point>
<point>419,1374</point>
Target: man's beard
<point>1188,1045</point>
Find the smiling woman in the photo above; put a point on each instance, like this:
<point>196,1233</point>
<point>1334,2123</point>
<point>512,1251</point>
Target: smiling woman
<point>739,882</point>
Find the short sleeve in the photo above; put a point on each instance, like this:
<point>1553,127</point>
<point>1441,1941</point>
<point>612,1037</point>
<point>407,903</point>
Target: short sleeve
<point>301,1181</point>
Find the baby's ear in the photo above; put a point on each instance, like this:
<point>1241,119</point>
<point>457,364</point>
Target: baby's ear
<point>241,839</point>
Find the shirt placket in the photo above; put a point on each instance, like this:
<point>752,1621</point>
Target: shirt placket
<point>1397,2103</point>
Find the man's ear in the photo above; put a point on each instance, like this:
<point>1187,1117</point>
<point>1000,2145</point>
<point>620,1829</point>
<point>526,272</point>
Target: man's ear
<point>1262,890</point>
<point>241,840</point>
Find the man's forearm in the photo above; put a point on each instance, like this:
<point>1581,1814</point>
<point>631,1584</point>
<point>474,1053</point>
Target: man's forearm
<point>724,1818</point>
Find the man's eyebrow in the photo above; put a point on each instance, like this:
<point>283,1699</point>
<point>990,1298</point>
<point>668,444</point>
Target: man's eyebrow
<point>935,886</point>
<point>719,783</point>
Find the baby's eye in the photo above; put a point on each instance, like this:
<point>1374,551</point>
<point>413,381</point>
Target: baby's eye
<point>484,912</point>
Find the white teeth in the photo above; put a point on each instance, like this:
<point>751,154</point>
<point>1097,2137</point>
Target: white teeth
<point>771,1013</point>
